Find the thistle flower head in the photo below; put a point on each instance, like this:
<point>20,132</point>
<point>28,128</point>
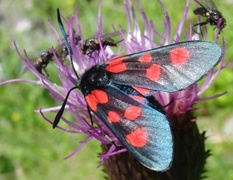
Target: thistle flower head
<point>176,105</point>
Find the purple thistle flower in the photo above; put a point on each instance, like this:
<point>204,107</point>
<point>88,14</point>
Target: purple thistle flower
<point>177,104</point>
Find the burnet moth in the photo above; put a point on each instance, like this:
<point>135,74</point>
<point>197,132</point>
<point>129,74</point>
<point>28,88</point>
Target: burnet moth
<point>213,15</point>
<point>119,93</point>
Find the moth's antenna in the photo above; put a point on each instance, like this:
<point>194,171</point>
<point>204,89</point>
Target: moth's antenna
<point>64,34</point>
<point>60,112</point>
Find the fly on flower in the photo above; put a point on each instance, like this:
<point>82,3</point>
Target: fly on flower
<point>120,92</point>
<point>42,60</point>
<point>92,44</point>
<point>213,16</point>
<point>45,57</point>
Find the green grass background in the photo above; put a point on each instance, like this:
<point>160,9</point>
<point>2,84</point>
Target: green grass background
<point>30,148</point>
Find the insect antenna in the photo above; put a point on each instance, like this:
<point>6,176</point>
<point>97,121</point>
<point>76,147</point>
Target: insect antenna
<point>61,111</point>
<point>66,41</point>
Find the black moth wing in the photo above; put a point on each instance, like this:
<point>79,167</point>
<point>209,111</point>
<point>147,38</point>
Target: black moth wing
<point>203,56</point>
<point>158,152</point>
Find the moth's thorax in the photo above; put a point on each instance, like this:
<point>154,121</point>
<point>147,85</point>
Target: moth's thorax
<point>95,77</point>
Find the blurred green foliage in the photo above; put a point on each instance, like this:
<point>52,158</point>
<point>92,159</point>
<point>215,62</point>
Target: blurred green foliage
<point>30,148</point>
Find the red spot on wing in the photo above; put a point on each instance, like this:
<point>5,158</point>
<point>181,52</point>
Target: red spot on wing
<point>133,112</point>
<point>145,58</point>
<point>138,98</point>
<point>138,138</point>
<point>116,65</point>
<point>91,101</point>
<point>153,72</point>
<point>113,117</point>
<point>96,97</point>
<point>143,91</point>
<point>179,55</point>
<point>116,61</point>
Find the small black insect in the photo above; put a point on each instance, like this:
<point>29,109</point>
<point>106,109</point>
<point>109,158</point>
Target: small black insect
<point>210,11</point>
<point>92,44</point>
<point>42,60</point>
<point>45,57</point>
